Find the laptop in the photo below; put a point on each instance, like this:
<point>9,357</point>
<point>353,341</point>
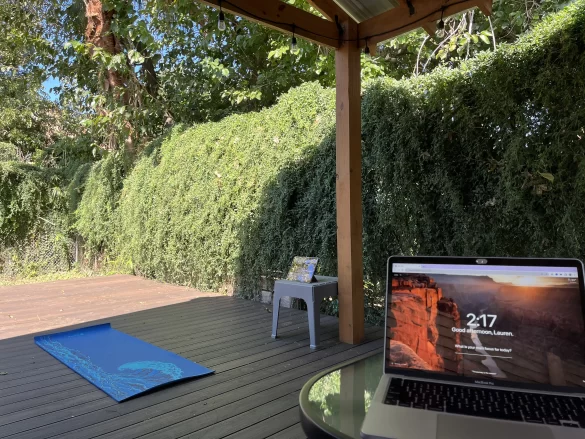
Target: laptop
<point>481,348</point>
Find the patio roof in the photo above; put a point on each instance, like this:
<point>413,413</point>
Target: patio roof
<point>376,20</point>
<point>348,26</point>
<point>361,10</point>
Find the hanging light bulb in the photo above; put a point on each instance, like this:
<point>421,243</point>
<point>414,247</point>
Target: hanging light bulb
<point>221,19</point>
<point>367,50</point>
<point>294,48</point>
<point>441,29</point>
<point>441,26</point>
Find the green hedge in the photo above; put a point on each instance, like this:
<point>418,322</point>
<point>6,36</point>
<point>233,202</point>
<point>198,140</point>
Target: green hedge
<point>183,208</point>
<point>36,201</point>
<point>483,160</point>
<point>24,197</point>
<point>96,217</point>
<point>8,152</point>
<point>33,222</point>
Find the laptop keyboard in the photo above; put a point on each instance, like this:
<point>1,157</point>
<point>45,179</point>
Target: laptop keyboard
<point>491,403</point>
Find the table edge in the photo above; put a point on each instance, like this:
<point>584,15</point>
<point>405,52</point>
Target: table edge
<point>316,427</point>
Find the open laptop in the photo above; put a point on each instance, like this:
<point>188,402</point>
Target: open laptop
<point>481,348</point>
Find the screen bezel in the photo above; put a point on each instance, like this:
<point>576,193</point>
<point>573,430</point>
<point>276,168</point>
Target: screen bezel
<point>576,263</point>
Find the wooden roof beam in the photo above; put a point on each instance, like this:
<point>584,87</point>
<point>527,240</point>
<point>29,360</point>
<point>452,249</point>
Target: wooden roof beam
<point>403,4</point>
<point>283,17</point>
<point>485,6</point>
<point>329,9</point>
<point>398,20</point>
<point>430,27</point>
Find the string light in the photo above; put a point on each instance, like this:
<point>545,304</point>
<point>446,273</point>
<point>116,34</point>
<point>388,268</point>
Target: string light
<point>421,19</point>
<point>221,19</point>
<point>294,48</point>
<point>441,26</point>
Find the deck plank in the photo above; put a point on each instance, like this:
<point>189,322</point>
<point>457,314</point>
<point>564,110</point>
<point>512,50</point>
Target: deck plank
<point>61,303</point>
<point>253,394</point>
<point>269,426</point>
<point>293,432</point>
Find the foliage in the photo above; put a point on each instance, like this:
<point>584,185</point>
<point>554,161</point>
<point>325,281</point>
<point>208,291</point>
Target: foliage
<point>36,204</point>
<point>46,250</point>
<point>8,152</point>
<point>176,67</point>
<point>37,194</point>
<point>27,119</point>
<point>25,196</point>
<point>172,65</point>
<point>24,46</point>
<point>465,36</point>
<point>485,159</point>
<point>95,215</point>
<point>182,209</point>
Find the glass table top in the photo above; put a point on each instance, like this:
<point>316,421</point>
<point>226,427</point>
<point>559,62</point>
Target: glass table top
<point>335,402</point>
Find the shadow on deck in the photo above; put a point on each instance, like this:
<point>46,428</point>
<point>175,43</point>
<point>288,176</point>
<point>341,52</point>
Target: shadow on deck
<point>253,394</point>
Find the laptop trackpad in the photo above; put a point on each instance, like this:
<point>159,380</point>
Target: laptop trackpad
<point>455,427</point>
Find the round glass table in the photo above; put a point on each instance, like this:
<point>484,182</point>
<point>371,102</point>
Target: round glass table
<point>334,403</point>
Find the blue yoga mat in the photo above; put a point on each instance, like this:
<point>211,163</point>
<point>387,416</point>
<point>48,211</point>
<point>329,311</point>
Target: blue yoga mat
<point>119,364</point>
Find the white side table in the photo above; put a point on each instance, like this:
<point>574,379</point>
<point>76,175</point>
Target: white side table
<point>312,293</point>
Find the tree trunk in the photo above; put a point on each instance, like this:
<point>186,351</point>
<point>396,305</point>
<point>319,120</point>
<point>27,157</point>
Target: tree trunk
<point>98,33</point>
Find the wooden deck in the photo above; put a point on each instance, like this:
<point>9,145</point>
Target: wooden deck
<point>253,393</point>
<point>37,307</point>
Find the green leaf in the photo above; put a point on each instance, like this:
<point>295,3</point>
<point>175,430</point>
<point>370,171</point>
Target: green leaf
<point>134,56</point>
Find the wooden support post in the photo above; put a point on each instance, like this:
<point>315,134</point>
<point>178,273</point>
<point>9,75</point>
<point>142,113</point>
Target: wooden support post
<point>349,186</point>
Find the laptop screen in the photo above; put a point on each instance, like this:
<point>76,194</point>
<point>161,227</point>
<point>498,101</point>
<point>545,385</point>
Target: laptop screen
<point>522,324</point>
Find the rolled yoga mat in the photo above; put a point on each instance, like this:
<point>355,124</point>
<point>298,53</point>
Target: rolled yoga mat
<point>117,363</point>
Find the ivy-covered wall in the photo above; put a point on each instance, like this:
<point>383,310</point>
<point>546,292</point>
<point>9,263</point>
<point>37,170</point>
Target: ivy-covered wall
<point>486,160</point>
<point>189,210</point>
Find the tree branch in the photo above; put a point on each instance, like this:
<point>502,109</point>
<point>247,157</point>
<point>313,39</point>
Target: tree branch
<point>469,31</point>
<point>493,33</point>
<point>419,52</point>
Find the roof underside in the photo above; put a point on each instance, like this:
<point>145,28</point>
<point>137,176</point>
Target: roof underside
<point>377,20</point>
<point>361,10</point>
